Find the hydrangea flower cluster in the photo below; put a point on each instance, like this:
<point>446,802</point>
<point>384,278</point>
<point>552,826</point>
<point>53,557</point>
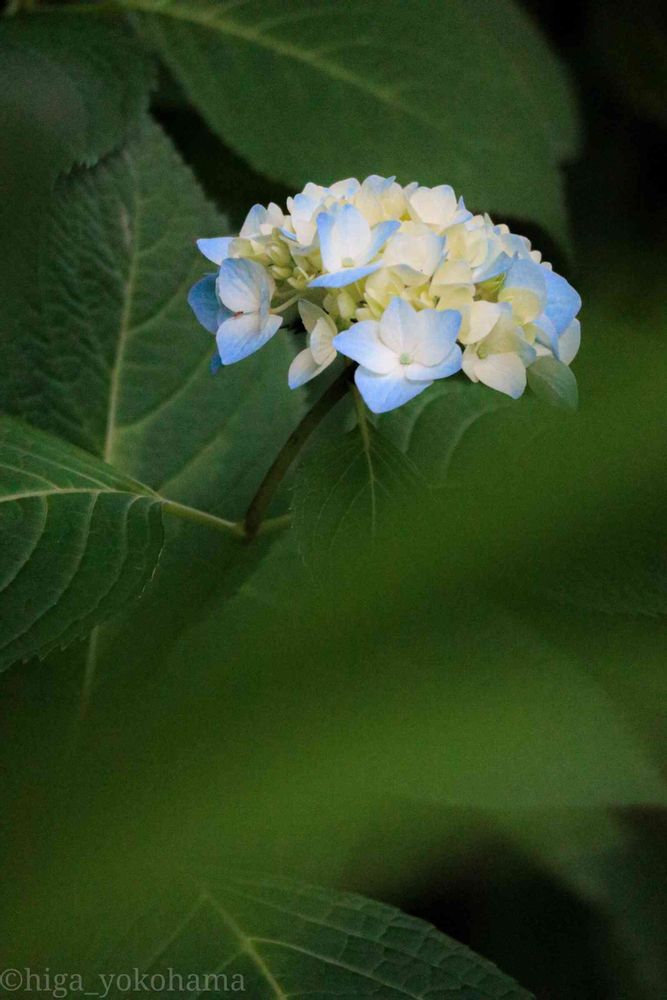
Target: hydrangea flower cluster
<point>405,281</point>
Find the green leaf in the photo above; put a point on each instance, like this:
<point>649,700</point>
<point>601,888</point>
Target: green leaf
<point>79,541</point>
<point>347,487</point>
<point>434,427</point>
<point>287,938</point>
<point>554,383</point>
<point>71,91</point>
<point>272,938</point>
<point>438,93</point>
<point>382,685</point>
<point>107,354</point>
<point>125,367</point>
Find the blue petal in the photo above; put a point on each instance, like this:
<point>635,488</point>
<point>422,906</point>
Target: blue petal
<point>325,226</point>
<point>215,364</point>
<point>547,335</point>
<point>378,184</point>
<point>563,303</point>
<point>382,393</point>
<point>350,232</point>
<point>361,342</point>
<point>204,303</point>
<point>216,249</point>
<point>492,267</point>
<point>379,236</point>
<point>526,273</point>
<point>450,365</point>
<point>345,277</point>
<point>241,336</point>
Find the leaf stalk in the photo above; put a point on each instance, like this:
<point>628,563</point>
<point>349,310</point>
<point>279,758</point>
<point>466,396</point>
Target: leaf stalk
<point>289,452</point>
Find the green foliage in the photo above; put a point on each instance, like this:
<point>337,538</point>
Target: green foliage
<point>432,427</point>
<point>71,91</point>
<point>313,702</point>
<point>79,541</point>
<point>554,383</point>
<point>109,354</point>
<point>424,91</point>
<point>345,487</point>
<point>111,358</point>
<point>274,938</point>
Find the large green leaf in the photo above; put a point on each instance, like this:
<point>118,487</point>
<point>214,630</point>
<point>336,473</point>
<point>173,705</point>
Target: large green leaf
<point>346,487</point>
<point>436,92</point>
<point>79,541</point>
<point>433,428</point>
<point>268,938</point>
<point>110,351</point>
<point>462,437</point>
<point>286,939</point>
<point>108,354</point>
<point>71,91</point>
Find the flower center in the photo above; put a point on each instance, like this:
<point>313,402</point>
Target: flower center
<point>405,359</point>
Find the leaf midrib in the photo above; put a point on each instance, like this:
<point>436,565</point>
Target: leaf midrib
<point>171,506</point>
<point>247,945</point>
<point>67,490</point>
<point>124,326</point>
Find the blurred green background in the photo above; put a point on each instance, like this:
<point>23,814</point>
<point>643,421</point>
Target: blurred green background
<point>466,721</point>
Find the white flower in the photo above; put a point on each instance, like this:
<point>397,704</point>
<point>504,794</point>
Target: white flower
<point>499,357</point>
<point>380,288</point>
<point>304,208</point>
<point>320,352</point>
<point>261,221</point>
<point>437,207</point>
<point>343,190</point>
<point>478,320</point>
<point>525,288</point>
<point>348,244</point>
<point>389,258</point>
<point>555,330</point>
<point>452,284</point>
<point>246,289</point>
<point>402,354</point>
<point>380,199</point>
<point>414,252</point>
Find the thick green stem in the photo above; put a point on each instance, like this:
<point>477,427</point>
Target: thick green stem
<point>254,522</point>
<point>290,451</point>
